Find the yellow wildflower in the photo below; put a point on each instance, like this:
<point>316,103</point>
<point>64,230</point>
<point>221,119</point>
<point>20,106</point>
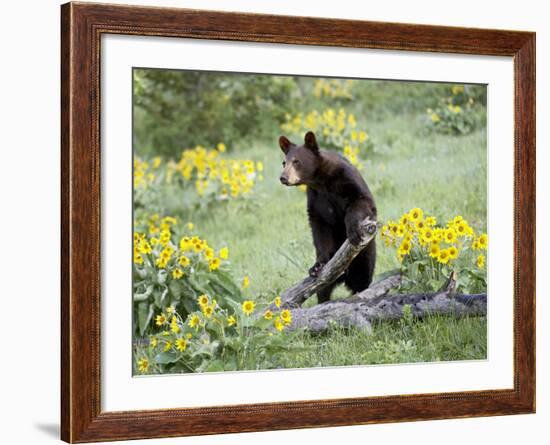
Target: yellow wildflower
<point>416,214</point>
<point>160,319</point>
<point>405,247</point>
<point>184,261</point>
<point>177,273</point>
<point>449,235</point>
<point>203,300</point>
<point>457,89</point>
<point>286,316</point>
<point>480,261</point>
<point>143,364</point>
<point>224,253</point>
<point>194,321</point>
<point>209,253</point>
<point>427,235</point>
<point>278,324</point>
<point>185,243</point>
<point>453,252</point>
<point>207,311</point>
<point>248,307</point>
<point>164,237</point>
<point>138,259</point>
<point>431,221</point>
<point>461,228</point>
<point>434,250</point>
<point>483,241</point>
<point>181,344</point>
<point>214,264</point>
<point>443,256</point>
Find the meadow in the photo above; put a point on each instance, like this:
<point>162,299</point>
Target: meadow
<point>408,163</point>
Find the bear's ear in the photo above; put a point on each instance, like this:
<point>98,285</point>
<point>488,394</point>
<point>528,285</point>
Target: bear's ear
<point>311,142</point>
<point>285,144</point>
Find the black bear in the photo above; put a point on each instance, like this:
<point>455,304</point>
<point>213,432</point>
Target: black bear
<point>338,199</point>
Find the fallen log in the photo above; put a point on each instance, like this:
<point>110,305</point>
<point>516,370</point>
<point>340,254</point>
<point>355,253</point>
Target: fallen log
<point>374,303</point>
<point>361,313</point>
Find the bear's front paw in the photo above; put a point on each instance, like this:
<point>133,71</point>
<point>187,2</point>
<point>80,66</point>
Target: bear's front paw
<point>315,269</point>
<point>354,235</point>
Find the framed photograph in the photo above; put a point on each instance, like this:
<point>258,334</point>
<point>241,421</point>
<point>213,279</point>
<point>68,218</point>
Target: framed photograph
<point>274,222</point>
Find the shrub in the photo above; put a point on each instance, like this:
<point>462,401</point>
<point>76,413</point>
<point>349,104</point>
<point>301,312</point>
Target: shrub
<point>428,252</point>
<point>245,335</point>
<point>333,88</point>
<point>201,177</point>
<point>336,129</point>
<point>458,113</point>
<point>199,107</point>
<point>172,271</point>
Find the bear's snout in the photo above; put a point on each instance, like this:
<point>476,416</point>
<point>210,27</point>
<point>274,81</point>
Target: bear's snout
<point>284,179</point>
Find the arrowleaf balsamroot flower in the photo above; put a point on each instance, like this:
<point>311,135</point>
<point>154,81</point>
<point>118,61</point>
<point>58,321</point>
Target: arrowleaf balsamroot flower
<point>203,300</point>
<point>181,344</point>
<point>194,321</point>
<point>286,316</point>
<point>248,307</point>
<point>143,364</point>
<point>224,253</point>
<point>160,319</point>
<point>480,261</point>
<point>278,324</point>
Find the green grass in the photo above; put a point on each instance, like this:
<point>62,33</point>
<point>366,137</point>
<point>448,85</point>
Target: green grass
<point>433,339</point>
<point>270,240</point>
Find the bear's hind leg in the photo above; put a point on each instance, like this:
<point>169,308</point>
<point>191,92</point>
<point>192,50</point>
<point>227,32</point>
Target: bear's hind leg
<point>324,294</point>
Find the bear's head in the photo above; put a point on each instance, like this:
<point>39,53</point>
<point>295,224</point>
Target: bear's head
<point>301,161</point>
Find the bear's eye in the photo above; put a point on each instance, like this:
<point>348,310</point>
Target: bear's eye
<point>296,162</point>
<point>284,163</point>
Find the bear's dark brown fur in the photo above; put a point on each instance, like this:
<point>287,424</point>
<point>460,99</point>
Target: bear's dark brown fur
<point>338,199</point>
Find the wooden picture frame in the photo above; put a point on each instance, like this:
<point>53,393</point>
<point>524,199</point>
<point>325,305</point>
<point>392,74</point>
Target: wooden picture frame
<point>82,25</point>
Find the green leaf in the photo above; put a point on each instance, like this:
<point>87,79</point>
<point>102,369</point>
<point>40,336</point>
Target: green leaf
<point>199,285</point>
<point>226,281</point>
<point>161,276</point>
<point>166,357</point>
<point>215,366</point>
<point>231,364</point>
<point>157,296</point>
<point>206,349</point>
<point>145,313</point>
<point>176,289</point>
<point>145,295</point>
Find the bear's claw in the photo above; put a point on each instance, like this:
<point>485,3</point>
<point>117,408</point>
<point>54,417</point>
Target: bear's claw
<point>315,269</point>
